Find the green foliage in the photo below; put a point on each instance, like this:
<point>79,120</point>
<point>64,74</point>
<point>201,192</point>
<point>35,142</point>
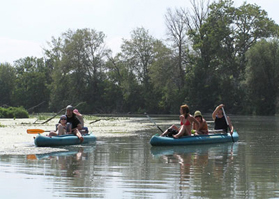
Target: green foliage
<point>7,82</point>
<point>77,59</point>
<point>213,55</point>
<point>222,41</point>
<point>31,84</point>
<point>262,77</point>
<point>13,112</point>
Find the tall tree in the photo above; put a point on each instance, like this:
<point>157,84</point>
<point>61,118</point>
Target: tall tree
<point>251,23</point>
<point>139,54</point>
<point>7,82</point>
<point>120,75</point>
<point>262,74</point>
<point>78,67</point>
<point>31,86</point>
<point>221,43</point>
<point>165,81</point>
<point>177,32</point>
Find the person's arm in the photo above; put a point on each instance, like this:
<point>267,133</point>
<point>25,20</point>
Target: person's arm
<point>192,119</point>
<point>79,117</point>
<point>194,126</point>
<point>69,128</point>
<point>201,125</point>
<point>216,110</point>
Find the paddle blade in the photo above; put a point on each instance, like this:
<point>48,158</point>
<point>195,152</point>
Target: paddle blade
<point>35,131</point>
<point>31,157</point>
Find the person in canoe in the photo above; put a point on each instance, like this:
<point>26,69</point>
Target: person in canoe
<point>62,127</point>
<point>76,124</point>
<point>220,120</point>
<point>186,121</point>
<point>203,127</point>
<point>84,129</point>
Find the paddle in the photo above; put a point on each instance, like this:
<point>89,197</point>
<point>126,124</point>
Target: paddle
<point>227,122</point>
<point>216,131</point>
<point>153,122</point>
<point>36,131</point>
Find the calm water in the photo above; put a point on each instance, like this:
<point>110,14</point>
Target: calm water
<point>128,167</point>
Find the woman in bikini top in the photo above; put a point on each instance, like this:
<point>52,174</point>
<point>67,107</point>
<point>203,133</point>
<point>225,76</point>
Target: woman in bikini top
<point>187,123</point>
<point>186,120</point>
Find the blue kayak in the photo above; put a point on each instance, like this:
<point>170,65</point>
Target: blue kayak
<point>191,140</point>
<point>62,140</point>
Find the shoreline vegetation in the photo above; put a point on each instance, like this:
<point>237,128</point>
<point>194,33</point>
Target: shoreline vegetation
<point>218,61</point>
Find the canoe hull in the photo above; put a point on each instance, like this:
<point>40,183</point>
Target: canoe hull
<point>191,140</point>
<point>44,141</point>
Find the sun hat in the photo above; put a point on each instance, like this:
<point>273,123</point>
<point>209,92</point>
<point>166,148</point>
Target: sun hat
<point>197,114</point>
<point>63,116</point>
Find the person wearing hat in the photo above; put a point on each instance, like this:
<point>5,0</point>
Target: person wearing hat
<point>203,127</point>
<point>76,124</point>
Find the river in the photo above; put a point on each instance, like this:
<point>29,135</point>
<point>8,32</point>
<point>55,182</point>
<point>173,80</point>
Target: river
<point>125,165</point>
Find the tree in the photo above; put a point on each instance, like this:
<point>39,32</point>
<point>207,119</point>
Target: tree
<point>7,82</point>
<point>221,42</point>
<point>31,87</point>
<point>165,81</point>
<point>177,32</point>
<point>78,60</point>
<point>139,55</point>
<point>250,24</point>
<point>262,75</point>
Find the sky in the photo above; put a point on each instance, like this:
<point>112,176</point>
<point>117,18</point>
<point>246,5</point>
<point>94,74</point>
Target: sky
<point>27,25</point>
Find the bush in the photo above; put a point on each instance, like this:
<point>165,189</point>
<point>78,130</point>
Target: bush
<point>13,112</point>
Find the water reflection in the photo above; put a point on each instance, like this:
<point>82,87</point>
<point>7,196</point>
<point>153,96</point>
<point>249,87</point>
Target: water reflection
<point>199,165</point>
<point>67,163</point>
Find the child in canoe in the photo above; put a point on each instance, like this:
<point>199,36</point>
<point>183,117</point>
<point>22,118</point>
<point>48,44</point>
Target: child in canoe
<point>62,127</point>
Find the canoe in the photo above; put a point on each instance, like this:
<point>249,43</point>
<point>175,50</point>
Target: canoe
<point>191,140</point>
<point>62,140</point>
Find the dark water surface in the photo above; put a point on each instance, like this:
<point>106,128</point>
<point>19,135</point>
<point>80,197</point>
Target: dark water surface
<point>128,167</point>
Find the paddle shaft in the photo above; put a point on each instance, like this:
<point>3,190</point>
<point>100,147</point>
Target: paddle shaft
<point>227,122</point>
<point>154,123</point>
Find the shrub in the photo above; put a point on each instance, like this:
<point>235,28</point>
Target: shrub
<point>13,112</point>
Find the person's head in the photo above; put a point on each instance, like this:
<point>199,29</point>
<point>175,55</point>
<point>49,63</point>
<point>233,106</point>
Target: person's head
<point>220,112</point>
<point>184,110</point>
<point>69,110</point>
<point>198,116</point>
<point>63,118</point>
